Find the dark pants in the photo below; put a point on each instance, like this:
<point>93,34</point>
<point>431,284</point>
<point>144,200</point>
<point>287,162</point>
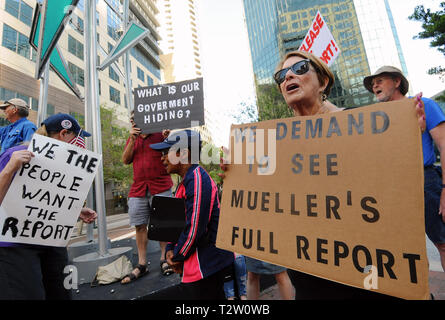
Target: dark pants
<point>210,288</point>
<point>308,287</point>
<point>434,226</point>
<point>33,273</point>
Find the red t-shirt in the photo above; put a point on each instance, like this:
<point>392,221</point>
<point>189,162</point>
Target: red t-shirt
<point>148,171</point>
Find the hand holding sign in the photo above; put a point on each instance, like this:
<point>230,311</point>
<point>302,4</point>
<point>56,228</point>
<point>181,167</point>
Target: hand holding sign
<point>173,105</point>
<point>47,194</point>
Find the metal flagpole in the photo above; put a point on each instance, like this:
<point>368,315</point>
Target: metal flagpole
<point>127,62</point>
<point>92,114</point>
<point>88,264</point>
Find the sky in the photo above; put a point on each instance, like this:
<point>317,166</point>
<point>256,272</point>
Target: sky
<point>228,75</point>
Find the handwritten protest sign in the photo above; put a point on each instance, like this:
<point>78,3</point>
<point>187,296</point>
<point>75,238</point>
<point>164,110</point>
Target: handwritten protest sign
<point>47,194</point>
<point>169,106</point>
<point>320,41</point>
<point>333,195</point>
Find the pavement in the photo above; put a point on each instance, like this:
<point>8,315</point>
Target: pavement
<point>118,229</point>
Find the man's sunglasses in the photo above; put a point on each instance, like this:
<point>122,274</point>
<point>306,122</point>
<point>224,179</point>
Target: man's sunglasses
<point>299,68</point>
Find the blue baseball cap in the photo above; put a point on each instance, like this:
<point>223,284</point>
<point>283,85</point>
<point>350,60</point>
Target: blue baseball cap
<point>61,121</point>
<point>184,138</point>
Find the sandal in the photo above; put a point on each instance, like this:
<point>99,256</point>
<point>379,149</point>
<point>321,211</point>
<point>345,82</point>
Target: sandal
<point>165,268</point>
<point>142,271</point>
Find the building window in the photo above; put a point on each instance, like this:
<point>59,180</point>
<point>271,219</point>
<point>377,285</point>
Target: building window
<point>50,110</point>
<point>79,117</point>
<point>141,74</point>
<point>115,95</point>
<point>113,24</point>
<point>77,23</point>
<point>75,47</point>
<point>16,41</point>
<point>77,74</point>
<point>20,10</point>
<point>150,81</point>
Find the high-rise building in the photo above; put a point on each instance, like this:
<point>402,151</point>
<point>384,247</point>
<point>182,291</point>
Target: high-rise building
<point>181,47</point>
<point>363,29</point>
<point>17,58</point>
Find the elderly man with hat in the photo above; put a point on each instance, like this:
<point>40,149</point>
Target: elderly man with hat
<point>20,129</point>
<point>389,84</point>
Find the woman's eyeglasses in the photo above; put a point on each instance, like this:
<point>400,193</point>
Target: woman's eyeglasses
<point>299,68</point>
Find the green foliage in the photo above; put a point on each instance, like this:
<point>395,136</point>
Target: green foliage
<point>213,167</point>
<point>433,24</point>
<point>271,104</point>
<point>114,138</point>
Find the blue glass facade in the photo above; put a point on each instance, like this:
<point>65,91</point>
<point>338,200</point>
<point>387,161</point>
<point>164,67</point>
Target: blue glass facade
<point>396,38</point>
<point>262,27</point>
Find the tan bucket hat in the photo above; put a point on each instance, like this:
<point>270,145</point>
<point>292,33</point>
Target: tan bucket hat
<point>19,103</point>
<point>404,84</point>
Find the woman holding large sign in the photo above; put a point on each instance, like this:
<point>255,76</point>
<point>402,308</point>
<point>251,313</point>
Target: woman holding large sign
<point>305,83</point>
<point>288,232</point>
<point>29,271</point>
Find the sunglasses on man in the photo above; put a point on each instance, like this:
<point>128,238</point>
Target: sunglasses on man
<point>299,68</point>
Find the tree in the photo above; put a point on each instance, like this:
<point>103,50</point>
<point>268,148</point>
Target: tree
<point>212,156</point>
<point>271,104</point>
<point>113,141</point>
<point>433,24</point>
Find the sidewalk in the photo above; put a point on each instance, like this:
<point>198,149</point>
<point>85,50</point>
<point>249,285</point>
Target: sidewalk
<point>118,228</point>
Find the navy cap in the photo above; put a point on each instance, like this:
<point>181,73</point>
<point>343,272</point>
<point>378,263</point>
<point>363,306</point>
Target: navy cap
<point>185,139</point>
<point>61,121</point>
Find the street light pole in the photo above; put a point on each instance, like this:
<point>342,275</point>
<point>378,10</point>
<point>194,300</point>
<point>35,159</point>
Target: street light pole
<point>127,62</point>
<point>43,96</point>
<point>92,117</point>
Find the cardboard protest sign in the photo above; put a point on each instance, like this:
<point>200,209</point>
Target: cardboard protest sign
<point>338,196</point>
<point>170,106</point>
<point>320,41</point>
<point>47,194</point>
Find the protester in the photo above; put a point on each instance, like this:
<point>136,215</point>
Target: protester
<point>149,179</point>
<point>195,256</point>
<point>256,268</point>
<point>305,83</point>
<point>20,129</point>
<point>238,280</point>
<point>389,84</point>
<point>34,272</point>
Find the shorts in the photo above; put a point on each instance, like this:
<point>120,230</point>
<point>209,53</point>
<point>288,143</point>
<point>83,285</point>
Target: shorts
<point>261,267</point>
<point>139,208</point>
<point>434,226</point>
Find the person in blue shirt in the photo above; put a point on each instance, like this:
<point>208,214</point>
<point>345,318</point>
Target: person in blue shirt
<point>21,129</point>
<point>389,84</point>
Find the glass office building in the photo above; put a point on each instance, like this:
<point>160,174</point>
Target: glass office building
<point>276,27</point>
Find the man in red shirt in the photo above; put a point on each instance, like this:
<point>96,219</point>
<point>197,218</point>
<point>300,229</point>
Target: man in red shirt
<point>149,178</point>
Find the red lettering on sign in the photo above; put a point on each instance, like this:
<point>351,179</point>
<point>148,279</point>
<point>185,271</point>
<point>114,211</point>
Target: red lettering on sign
<point>313,35</point>
<point>316,28</point>
<point>327,53</point>
<point>319,20</point>
<point>308,41</point>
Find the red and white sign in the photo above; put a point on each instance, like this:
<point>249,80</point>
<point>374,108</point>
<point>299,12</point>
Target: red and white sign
<point>320,41</point>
